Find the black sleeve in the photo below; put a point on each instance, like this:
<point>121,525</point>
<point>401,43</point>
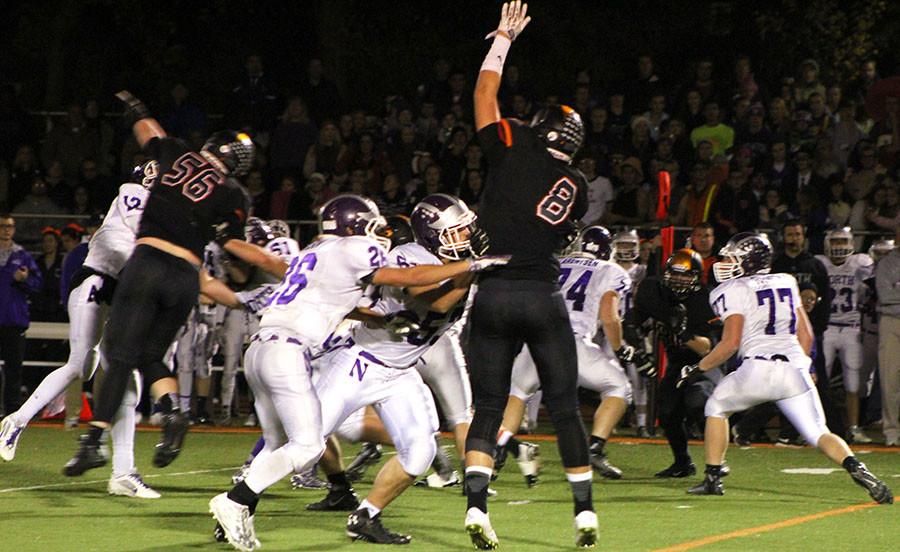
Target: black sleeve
<point>581,200</point>
<point>822,311</point>
<point>648,303</point>
<point>164,148</point>
<point>233,214</point>
<point>498,138</point>
<point>700,314</point>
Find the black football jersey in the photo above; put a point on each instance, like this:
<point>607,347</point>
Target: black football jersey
<point>529,201</point>
<point>191,198</point>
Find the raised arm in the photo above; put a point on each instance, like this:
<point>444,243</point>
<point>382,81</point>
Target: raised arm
<point>512,21</point>
<point>143,125</point>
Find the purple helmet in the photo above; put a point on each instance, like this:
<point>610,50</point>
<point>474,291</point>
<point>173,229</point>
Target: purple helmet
<point>438,222</point>
<point>595,242</point>
<point>352,215</point>
<point>145,174</point>
<point>257,232</point>
<point>745,254</point>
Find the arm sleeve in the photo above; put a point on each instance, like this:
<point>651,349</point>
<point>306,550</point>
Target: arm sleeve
<point>233,215</point>
<point>496,139</point>
<point>700,314</point>
<point>33,282</point>
<point>822,311</point>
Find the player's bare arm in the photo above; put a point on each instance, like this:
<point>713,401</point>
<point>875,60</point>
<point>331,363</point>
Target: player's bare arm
<point>217,291</point>
<point>804,331</point>
<point>728,346</point>
<point>258,256</point>
<point>144,126</point>
<point>513,20</point>
<point>609,317</point>
<point>442,298</point>
<point>432,274</point>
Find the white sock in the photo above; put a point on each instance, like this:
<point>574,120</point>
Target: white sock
<point>55,383</point>
<point>122,435</point>
<point>505,436</point>
<point>642,419</point>
<point>373,510</point>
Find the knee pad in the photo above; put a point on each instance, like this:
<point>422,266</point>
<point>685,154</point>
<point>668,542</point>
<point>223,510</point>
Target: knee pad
<point>417,458</point>
<point>716,408</point>
<point>303,455</point>
<point>621,390</point>
<point>482,436</point>
<point>456,418</point>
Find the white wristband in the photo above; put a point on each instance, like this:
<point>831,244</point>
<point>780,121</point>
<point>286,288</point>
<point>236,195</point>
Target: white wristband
<point>496,56</point>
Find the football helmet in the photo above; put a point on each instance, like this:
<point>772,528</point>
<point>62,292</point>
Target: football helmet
<point>233,150</point>
<point>399,230</point>
<point>353,215</point>
<point>145,174</point>
<point>745,254</point>
<point>684,269</point>
<point>626,246</point>
<point>279,228</point>
<point>257,232</point>
<point>442,224</point>
<point>881,248</point>
<point>594,242</point>
<point>839,244</point>
<point>561,130</point>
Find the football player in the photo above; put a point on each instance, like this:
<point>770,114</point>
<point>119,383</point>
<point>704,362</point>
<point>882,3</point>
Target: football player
<point>323,284</point>
<point>766,325</point>
<point>847,272</point>
<point>92,290</point>
<point>591,285</point>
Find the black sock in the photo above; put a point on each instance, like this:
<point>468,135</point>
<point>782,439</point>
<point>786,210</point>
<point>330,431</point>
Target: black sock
<point>242,494</point>
<point>714,470</point>
<point>339,482</point>
<point>851,463</point>
<point>512,447</point>
<point>95,435</point>
<point>201,406</point>
<point>476,490</point>
<point>582,493</point>
<point>168,403</point>
<point>683,459</point>
<point>597,444</point>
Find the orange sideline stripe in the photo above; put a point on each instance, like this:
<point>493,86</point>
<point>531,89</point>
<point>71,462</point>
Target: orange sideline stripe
<point>689,545</point>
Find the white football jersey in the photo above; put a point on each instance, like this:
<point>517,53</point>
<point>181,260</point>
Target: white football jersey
<point>769,304</point>
<point>846,286</point>
<point>113,242</point>
<point>404,351</point>
<point>323,284</point>
<point>583,283</point>
<point>286,248</point>
<point>637,272</point>
<point>214,260</point>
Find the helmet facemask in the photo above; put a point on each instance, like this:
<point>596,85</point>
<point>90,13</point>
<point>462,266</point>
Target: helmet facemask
<point>839,248</point>
<point>455,238</point>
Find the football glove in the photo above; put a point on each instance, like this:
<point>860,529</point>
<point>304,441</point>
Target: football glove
<point>678,324</point>
<point>479,243</point>
<point>486,262</point>
<point>625,353</point>
<point>688,373</point>
<point>643,364</point>
<point>135,109</point>
<point>401,322</point>
<point>512,20</point>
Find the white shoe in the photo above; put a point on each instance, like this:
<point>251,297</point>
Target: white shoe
<point>251,421</point>
<point>892,443</point>
<point>130,485</point>
<point>478,525</point>
<point>857,435</point>
<point>586,529</point>
<point>241,474</point>
<point>236,521</point>
<point>437,482</point>
<point>528,460</point>
<point>9,438</point>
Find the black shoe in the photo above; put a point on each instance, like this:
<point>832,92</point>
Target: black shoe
<point>725,470</point>
<point>879,492</point>
<point>711,485</point>
<point>601,463</point>
<point>201,419</point>
<point>678,470</point>
<point>175,427</point>
<point>219,533</point>
<point>501,453</point>
<point>337,500</point>
<point>643,433</point>
<point>88,456</point>
<point>369,455</point>
<point>362,527</point>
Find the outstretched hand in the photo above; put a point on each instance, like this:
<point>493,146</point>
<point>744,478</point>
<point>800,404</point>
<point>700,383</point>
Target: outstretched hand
<point>512,20</point>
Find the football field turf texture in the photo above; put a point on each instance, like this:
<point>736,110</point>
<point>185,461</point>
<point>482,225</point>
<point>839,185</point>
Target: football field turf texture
<point>763,508</point>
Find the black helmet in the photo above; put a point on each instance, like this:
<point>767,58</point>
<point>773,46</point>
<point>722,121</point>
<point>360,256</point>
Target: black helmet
<point>398,230</point>
<point>561,129</point>
<point>683,272</point>
<point>235,150</point>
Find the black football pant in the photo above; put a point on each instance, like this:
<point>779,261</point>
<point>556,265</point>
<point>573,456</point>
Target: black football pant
<point>681,406</point>
<point>505,315</point>
<point>155,294</point>
<point>12,353</point>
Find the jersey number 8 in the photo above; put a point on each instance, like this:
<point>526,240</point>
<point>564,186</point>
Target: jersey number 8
<point>556,205</point>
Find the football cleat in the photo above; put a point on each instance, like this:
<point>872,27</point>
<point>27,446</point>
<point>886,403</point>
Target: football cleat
<point>87,457</point>
<point>876,488</point>
<point>678,470</point>
<point>235,521</point>
<point>500,455</point>
<point>857,435</point>
<point>586,530</point>
<point>251,420</point>
<point>9,438</point>
<point>368,456</point>
<point>528,462</point>
<point>131,485</point>
<point>336,500</point>
<point>643,433</point>
<point>175,427</point>
<point>369,529</point>
<point>241,474</point>
<point>308,480</point>
<point>601,463</point>
<point>478,526</point>
<point>711,485</point>
<point>435,481</point>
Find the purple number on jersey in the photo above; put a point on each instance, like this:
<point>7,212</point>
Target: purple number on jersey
<point>296,278</point>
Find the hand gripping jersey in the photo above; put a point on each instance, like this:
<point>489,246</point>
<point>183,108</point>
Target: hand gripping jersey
<point>113,242</point>
<point>769,304</point>
<point>404,351</point>
<point>191,198</point>
<point>322,285</point>
<point>262,284</point>
<point>529,201</point>
<point>583,282</point>
<point>846,287</point>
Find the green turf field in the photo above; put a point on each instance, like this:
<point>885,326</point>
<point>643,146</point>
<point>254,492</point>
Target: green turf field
<point>41,510</point>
